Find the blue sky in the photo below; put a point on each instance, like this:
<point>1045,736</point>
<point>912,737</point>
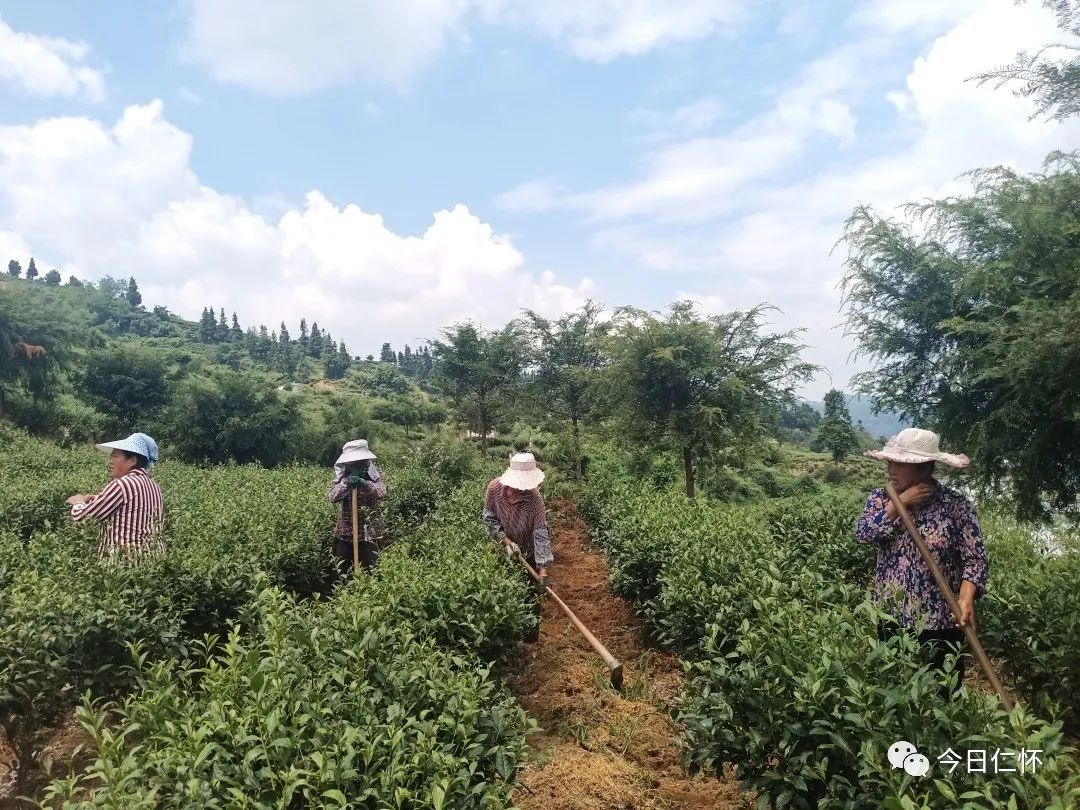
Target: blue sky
<point>387,169</point>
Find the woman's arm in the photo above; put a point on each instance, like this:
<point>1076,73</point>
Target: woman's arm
<point>972,550</point>
<point>102,505</point>
<point>876,525</point>
<point>338,491</point>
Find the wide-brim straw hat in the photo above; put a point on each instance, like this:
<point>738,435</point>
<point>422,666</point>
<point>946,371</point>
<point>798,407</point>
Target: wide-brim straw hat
<point>135,443</point>
<point>522,472</point>
<point>354,451</point>
<point>916,446</point>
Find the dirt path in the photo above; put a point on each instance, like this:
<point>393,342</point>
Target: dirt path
<point>600,750</point>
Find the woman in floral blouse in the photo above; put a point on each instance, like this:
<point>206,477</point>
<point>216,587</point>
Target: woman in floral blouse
<point>947,521</point>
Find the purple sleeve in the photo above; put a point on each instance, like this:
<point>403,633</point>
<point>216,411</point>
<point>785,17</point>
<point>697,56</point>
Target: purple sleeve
<point>874,525</point>
<point>338,491</point>
<point>972,551</point>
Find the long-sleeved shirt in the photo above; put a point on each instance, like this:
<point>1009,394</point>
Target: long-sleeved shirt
<point>368,493</point>
<point>523,522</point>
<point>948,523</point>
<point>132,515</point>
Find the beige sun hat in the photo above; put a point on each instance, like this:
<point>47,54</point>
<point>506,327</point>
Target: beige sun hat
<point>917,446</point>
<point>357,450</point>
<point>522,472</point>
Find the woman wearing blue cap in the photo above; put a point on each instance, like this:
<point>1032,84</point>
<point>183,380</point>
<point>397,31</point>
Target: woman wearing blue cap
<point>130,507</point>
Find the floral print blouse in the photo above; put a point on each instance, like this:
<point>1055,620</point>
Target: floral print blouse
<point>947,521</point>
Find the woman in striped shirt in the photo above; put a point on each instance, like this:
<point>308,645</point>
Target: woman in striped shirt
<point>130,507</point>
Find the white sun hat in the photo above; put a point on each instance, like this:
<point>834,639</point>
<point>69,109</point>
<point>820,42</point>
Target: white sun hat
<point>354,451</point>
<point>522,472</point>
<point>917,446</point>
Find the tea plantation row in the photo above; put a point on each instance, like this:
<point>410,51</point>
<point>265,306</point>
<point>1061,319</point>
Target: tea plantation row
<point>252,687</point>
<point>788,680</point>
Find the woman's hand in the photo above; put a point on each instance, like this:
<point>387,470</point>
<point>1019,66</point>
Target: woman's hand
<point>910,498</point>
<point>966,601</point>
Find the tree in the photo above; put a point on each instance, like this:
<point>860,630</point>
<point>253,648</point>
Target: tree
<point>31,270</point>
<point>567,355</point>
<point>387,354</point>
<point>222,331</point>
<point>74,282</point>
<point>315,341</point>
<point>700,384</point>
<point>338,363</point>
<point>972,319</point>
<point>14,268</point>
<point>134,297</point>
<point>52,278</point>
<point>35,341</point>
<point>302,341</point>
<point>207,326</point>
<point>1054,83</point>
<point>236,334</point>
<point>479,371</point>
<point>230,415</point>
<point>837,434</point>
<point>127,383</point>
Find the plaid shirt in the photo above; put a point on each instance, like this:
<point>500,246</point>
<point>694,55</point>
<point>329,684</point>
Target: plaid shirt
<point>524,522</point>
<point>132,516</point>
<point>370,492</point>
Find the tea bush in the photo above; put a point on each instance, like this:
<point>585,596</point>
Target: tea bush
<point>787,678</point>
<point>325,705</point>
<point>236,534</point>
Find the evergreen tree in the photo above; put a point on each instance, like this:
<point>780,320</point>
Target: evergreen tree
<point>207,326</point>
<point>222,327</point>
<point>237,332</point>
<point>134,297</point>
<point>31,269</point>
<point>837,434</point>
<point>387,354</point>
<point>14,268</point>
<point>53,277</point>
<point>315,342</point>
<point>302,341</point>
<point>74,282</point>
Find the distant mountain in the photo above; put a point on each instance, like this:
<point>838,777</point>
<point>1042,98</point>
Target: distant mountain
<point>882,424</point>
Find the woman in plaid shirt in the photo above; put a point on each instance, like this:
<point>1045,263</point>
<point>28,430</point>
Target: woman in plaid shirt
<point>130,507</point>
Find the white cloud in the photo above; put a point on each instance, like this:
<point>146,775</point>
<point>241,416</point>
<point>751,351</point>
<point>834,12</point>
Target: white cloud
<point>48,66</point>
<point>282,47</point>
<point>531,196</point>
<point>704,177</point>
<point>689,119</point>
<point>603,30</point>
<point>123,200</point>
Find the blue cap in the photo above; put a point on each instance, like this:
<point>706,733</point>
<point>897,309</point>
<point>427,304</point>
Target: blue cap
<point>135,443</point>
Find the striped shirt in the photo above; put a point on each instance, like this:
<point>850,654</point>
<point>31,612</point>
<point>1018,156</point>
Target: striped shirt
<point>132,516</point>
<point>524,522</point>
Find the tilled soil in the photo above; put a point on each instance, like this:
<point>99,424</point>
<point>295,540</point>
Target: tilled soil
<point>599,749</point>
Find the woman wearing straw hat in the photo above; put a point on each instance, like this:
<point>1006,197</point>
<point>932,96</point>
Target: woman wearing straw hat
<point>356,476</point>
<point>947,521</point>
<point>130,507</point>
<point>514,515</point>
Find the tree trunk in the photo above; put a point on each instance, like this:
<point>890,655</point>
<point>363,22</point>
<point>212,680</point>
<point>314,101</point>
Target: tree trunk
<point>688,469</point>
<point>577,451</point>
